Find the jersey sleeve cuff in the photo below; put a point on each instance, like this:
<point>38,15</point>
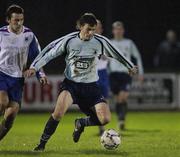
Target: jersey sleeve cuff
<point>40,74</point>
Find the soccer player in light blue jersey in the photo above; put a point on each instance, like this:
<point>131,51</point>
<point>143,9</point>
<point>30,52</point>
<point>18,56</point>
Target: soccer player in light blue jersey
<point>120,80</point>
<point>82,50</point>
<point>18,45</point>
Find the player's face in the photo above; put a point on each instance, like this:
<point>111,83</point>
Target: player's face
<point>99,28</point>
<point>87,31</point>
<point>118,32</point>
<point>16,22</point>
<point>171,36</point>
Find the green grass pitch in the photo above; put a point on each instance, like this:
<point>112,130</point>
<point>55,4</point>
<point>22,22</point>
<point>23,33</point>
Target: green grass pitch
<point>149,134</point>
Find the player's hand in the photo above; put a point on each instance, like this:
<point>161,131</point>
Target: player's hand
<point>133,71</point>
<point>43,80</point>
<point>29,72</point>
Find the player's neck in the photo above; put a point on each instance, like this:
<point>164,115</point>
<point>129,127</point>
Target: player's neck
<point>82,37</point>
<point>15,31</point>
<point>118,38</point>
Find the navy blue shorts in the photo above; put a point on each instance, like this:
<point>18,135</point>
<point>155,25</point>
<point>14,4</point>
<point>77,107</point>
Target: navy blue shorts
<point>85,95</point>
<point>103,82</point>
<point>119,81</point>
<point>13,86</point>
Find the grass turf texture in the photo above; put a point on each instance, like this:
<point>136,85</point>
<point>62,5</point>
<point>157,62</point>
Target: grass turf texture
<point>148,135</point>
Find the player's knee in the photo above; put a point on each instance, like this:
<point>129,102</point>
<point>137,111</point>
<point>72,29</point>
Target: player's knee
<point>13,110</point>
<point>4,100</point>
<point>105,120</point>
<point>57,115</point>
<point>122,100</point>
<point>4,103</point>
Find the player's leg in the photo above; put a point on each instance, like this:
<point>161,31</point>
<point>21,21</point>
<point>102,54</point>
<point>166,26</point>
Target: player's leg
<point>11,100</point>
<point>121,108</point>
<point>4,100</point>
<point>120,85</point>
<point>104,86</point>
<point>101,130</point>
<point>98,115</point>
<point>89,102</point>
<point>103,113</point>
<point>104,90</point>
<point>63,102</point>
<point>8,119</point>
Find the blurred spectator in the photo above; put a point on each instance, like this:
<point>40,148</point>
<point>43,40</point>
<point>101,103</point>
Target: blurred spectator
<point>168,52</point>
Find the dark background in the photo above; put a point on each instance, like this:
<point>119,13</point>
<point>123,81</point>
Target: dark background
<point>146,21</point>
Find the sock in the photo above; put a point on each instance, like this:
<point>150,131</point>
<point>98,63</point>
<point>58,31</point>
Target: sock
<point>121,110</point>
<point>101,129</point>
<point>49,129</point>
<point>6,125</point>
<point>90,121</point>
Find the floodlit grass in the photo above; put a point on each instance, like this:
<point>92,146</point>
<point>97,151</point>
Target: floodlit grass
<point>148,134</point>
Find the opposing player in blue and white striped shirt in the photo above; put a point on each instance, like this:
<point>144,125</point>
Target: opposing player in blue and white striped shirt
<point>82,50</point>
<point>18,45</point>
<point>120,80</point>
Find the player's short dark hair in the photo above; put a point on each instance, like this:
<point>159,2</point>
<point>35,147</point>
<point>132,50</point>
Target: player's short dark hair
<point>118,24</point>
<point>14,9</point>
<point>87,18</point>
<point>98,21</point>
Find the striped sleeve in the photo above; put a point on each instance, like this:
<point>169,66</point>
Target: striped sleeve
<point>135,53</point>
<point>111,51</point>
<point>34,49</point>
<point>51,51</point>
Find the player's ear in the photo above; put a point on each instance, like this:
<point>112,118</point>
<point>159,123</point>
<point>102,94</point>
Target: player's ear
<point>80,27</point>
<point>7,20</point>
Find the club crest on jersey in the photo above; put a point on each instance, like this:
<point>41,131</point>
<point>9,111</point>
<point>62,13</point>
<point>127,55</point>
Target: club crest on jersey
<point>26,39</point>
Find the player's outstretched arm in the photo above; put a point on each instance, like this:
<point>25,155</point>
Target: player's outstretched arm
<point>32,72</point>
<point>112,51</point>
<point>49,53</point>
<point>54,49</point>
<point>34,50</point>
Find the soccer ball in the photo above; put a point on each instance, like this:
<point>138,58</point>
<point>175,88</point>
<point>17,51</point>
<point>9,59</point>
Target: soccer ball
<point>110,139</point>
